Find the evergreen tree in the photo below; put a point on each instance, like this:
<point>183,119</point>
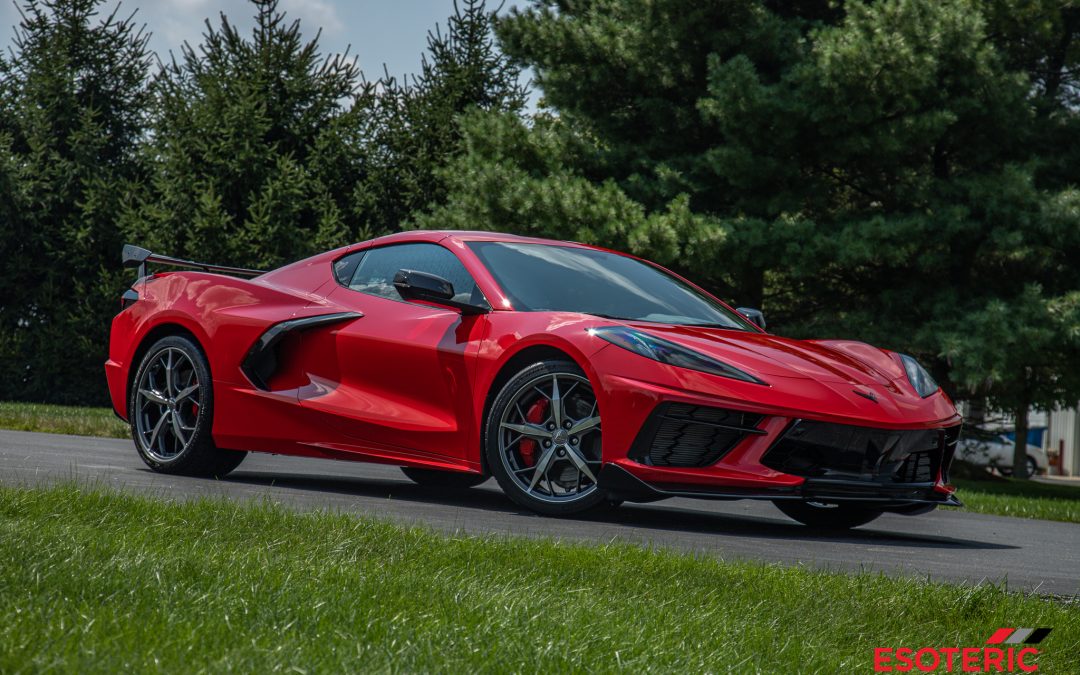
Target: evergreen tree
<point>253,149</point>
<point>414,129</point>
<point>73,90</point>
<point>534,180</point>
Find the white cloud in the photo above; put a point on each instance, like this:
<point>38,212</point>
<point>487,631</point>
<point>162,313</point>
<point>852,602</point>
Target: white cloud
<point>173,22</point>
<point>314,14</point>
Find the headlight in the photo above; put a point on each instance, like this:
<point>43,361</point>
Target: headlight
<point>918,376</point>
<point>664,351</point>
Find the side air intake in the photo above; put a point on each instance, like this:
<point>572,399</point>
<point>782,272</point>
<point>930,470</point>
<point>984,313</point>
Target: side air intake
<point>261,361</point>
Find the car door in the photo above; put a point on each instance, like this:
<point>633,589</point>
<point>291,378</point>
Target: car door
<point>400,378</point>
<point>999,450</point>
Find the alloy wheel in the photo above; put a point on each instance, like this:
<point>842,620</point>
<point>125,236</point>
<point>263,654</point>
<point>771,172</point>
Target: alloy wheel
<point>549,438</point>
<point>167,405</point>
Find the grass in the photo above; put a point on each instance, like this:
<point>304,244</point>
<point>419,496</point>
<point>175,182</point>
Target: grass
<point>62,419</point>
<point>94,581</point>
<point>1021,498</point>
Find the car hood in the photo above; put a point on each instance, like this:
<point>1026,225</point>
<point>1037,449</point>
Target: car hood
<point>765,355</point>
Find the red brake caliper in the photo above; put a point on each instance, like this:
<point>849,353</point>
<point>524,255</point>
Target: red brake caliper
<point>536,413</point>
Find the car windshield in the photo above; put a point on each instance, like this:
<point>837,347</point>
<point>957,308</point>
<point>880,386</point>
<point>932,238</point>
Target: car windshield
<point>552,278</point>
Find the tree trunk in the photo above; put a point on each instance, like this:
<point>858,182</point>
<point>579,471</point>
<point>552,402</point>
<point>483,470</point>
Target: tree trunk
<point>1058,58</point>
<point>1020,446</point>
<point>753,288</point>
<point>976,413</point>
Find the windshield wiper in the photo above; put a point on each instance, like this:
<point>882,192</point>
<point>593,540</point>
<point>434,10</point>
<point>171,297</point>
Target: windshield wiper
<point>709,325</point>
<point>609,316</point>
<point>669,323</point>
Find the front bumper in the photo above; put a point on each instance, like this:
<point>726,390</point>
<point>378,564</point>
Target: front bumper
<point>674,441</point>
<point>811,460</point>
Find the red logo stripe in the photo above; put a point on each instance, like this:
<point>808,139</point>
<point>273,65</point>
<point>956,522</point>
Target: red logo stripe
<point>1000,635</point>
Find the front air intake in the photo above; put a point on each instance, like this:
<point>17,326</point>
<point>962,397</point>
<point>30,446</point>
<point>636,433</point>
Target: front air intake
<point>685,435</point>
<point>825,450</point>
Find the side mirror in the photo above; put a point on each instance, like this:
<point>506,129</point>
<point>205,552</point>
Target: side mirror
<point>413,285</point>
<point>755,316</point>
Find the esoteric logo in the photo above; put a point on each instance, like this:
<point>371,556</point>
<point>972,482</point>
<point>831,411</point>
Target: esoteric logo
<point>986,659</point>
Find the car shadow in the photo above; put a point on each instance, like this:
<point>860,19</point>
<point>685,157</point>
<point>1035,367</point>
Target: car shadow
<point>693,520</point>
<point>382,488</point>
<point>637,519</point>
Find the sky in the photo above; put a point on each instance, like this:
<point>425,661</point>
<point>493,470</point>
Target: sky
<point>391,32</point>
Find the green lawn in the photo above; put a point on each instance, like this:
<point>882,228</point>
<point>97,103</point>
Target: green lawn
<point>1022,498</point>
<point>62,419</point>
<point>103,582</point>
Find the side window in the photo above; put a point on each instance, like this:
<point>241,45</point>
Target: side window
<point>376,269</point>
<point>345,268</point>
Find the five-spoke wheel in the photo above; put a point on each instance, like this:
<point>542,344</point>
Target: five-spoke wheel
<point>171,411</point>
<point>543,439</point>
<point>166,404</point>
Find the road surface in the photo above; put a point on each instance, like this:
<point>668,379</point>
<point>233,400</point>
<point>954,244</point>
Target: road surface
<point>948,545</point>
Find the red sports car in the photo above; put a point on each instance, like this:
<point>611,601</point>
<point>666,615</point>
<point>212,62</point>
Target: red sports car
<point>575,375</point>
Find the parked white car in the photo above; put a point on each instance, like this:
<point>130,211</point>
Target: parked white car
<point>995,450</point>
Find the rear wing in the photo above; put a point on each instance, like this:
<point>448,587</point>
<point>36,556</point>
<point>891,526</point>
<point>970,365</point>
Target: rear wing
<point>136,256</point>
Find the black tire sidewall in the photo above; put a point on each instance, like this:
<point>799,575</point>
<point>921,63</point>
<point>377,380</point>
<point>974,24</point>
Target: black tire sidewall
<point>201,438</point>
<point>840,517</point>
<point>491,443</point>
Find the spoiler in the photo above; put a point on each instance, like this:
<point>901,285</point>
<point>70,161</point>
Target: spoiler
<point>136,256</point>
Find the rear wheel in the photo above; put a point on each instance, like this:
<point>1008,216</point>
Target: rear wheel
<point>542,439</point>
<point>171,411</point>
<point>443,479</point>
<point>827,516</point>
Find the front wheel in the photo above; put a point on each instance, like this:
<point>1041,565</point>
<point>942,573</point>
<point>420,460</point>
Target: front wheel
<point>542,439</point>
<point>827,516</point>
<point>1032,467</point>
<point>171,410</point>
<point>433,478</point>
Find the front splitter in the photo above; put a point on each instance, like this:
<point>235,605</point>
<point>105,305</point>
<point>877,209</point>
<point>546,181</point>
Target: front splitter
<point>623,485</point>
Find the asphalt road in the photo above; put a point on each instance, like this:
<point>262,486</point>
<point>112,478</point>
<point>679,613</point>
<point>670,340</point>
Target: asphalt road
<point>949,545</point>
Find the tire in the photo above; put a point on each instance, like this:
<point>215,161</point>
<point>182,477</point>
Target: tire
<point>1032,467</point>
<point>827,516</point>
<point>546,420</point>
<point>172,413</point>
<point>454,480</point>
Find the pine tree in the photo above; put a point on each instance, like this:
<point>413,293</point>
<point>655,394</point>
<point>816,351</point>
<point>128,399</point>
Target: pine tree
<point>414,129</point>
<point>73,91</point>
<point>252,149</point>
